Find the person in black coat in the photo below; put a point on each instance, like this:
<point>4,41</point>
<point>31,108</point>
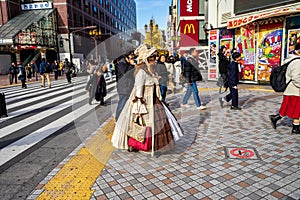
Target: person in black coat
<point>97,87</point>
<point>192,75</point>
<point>22,75</point>
<point>223,65</point>
<point>125,80</point>
<point>163,76</point>
<point>11,72</point>
<point>233,79</point>
<point>15,74</point>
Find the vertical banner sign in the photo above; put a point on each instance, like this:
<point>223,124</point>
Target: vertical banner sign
<point>213,44</point>
<point>189,8</point>
<point>245,44</point>
<point>269,49</point>
<point>189,33</point>
<point>293,40</point>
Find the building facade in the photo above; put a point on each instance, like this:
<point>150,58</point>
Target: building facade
<point>61,29</point>
<point>264,32</point>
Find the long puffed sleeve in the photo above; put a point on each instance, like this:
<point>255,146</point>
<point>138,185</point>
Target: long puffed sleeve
<point>139,83</point>
<point>294,72</point>
<point>139,106</point>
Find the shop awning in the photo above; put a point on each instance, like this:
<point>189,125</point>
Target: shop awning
<point>21,22</point>
<point>250,18</point>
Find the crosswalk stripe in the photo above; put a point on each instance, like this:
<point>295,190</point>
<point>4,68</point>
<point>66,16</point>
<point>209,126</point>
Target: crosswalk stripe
<point>9,152</point>
<point>19,102</point>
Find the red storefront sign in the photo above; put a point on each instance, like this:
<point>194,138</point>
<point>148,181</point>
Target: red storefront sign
<point>213,34</point>
<point>189,33</point>
<point>242,21</point>
<point>189,8</point>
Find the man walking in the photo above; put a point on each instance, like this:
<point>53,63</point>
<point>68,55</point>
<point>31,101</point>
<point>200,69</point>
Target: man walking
<point>192,75</point>
<point>45,73</point>
<point>11,72</point>
<point>125,80</point>
<point>67,69</point>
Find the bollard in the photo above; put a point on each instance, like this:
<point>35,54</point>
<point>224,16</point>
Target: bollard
<point>3,110</point>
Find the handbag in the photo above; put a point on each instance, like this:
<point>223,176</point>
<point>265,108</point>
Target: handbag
<point>143,146</point>
<point>138,129</point>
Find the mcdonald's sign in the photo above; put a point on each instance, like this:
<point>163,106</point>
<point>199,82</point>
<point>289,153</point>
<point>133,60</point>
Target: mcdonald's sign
<point>189,28</point>
<point>189,32</point>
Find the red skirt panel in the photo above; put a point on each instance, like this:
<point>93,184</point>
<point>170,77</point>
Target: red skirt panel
<point>290,107</point>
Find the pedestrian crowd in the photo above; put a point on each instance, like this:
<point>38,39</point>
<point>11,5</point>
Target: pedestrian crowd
<point>32,71</point>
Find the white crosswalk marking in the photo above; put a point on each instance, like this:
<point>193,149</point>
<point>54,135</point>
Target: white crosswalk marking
<point>38,106</point>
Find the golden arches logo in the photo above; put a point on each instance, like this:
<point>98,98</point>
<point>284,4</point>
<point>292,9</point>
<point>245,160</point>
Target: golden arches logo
<point>188,28</point>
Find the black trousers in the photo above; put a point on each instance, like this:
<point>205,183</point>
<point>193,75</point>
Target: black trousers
<point>68,75</point>
<point>234,96</point>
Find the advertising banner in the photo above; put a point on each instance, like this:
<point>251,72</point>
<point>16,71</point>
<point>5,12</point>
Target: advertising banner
<point>189,8</point>
<point>245,44</point>
<point>293,40</point>
<point>189,30</point>
<point>269,49</point>
<point>213,43</point>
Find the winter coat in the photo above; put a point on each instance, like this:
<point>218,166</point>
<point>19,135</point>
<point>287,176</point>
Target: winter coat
<point>293,73</point>
<point>42,68</point>
<point>124,77</point>
<point>95,85</point>
<point>223,63</point>
<point>163,73</point>
<point>11,70</point>
<point>67,67</point>
<point>182,61</point>
<point>191,71</point>
<point>233,74</point>
<point>21,73</point>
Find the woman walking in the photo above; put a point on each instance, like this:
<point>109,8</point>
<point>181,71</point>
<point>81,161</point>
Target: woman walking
<point>290,105</point>
<point>145,102</point>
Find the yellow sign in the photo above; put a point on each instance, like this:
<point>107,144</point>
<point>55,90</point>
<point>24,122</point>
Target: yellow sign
<point>189,27</point>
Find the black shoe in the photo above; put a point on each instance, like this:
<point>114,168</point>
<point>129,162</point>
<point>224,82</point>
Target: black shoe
<point>235,108</point>
<point>274,119</point>
<point>102,104</point>
<point>296,129</point>
<point>131,149</point>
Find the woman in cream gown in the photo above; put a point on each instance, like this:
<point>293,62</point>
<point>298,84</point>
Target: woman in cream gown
<point>145,101</point>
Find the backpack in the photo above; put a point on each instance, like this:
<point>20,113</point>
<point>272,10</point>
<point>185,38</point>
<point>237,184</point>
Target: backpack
<point>278,79</point>
<point>45,68</point>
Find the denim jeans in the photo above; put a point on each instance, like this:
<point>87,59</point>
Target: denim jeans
<point>163,91</point>
<point>192,88</point>
<point>122,101</point>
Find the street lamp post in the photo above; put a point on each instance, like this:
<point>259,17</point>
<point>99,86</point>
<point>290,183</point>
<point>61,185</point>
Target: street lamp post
<point>94,34</point>
<point>151,28</point>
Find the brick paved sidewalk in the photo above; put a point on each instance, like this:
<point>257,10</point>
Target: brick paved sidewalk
<point>200,169</point>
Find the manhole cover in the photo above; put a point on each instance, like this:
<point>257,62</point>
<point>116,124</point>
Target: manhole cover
<point>241,153</point>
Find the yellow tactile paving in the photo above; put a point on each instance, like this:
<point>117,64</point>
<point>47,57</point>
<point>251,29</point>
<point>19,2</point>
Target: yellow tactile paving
<point>75,179</point>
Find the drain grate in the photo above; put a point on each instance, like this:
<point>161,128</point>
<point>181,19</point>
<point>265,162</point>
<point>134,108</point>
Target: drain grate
<point>249,153</point>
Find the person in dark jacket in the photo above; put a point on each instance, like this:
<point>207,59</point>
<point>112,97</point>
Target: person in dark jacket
<point>15,74</point>
<point>22,75</point>
<point>97,87</point>
<point>125,80</point>
<point>223,65</point>
<point>55,69</point>
<point>192,75</point>
<point>67,70</point>
<point>11,73</point>
<point>233,80</point>
<point>162,76</point>
<point>45,72</point>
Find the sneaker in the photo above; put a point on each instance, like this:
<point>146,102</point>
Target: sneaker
<point>235,108</point>
<point>221,100</point>
<point>185,105</point>
<point>201,108</point>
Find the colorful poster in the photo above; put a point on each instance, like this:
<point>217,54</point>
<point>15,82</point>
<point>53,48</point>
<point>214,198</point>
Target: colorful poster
<point>269,49</point>
<point>293,40</point>
<point>228,43</point>
<point>213,38</point>
<point>245,44</point>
